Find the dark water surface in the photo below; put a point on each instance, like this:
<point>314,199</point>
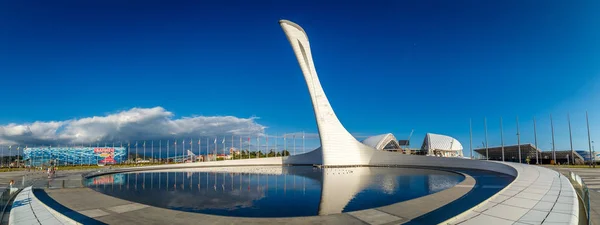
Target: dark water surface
<point>274,191</point>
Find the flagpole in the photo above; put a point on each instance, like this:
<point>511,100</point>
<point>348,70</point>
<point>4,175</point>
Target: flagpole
<point>136,152</point>
<point>232,151</point>
<point>537,157</point>
<point>294,144</point>
<point>168,151</point>
<point>199,152</point>
<point>152,150</point>
<point>592,157</point>
<point>502,138</point>
<point>241,148</point>
<point>248,147</point>
<point>519,140</point>
<point>120,143</point>
<point>553,146</point>
<point>160,151</point>
<point>267,143</point>
<point>276,145</point>
<point>284,143</point>
<point>571,139</point>
<point>223,142</point>
<point>303,143</point>
<point>207,150</point>
<point>487,153</point>
<point>175,151</point>
<point>144,151</point>
<point>215,142</point>
<point>257,146</point>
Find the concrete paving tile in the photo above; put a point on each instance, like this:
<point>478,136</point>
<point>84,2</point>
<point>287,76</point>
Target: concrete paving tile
<point>374,217</point>
<point>506,212</point>
<point>499,198</point>
<point>554,217</point>
<point>484,207</point>
<point>536,190</point>
<point>531,196</point>
<point>563,208</point>
<point>487,220</point>
<point>566,200</point>
<point>509,192</point>
<point>544,206</point>
<point>520,202</point>
<point>127,208</point>
<point>92,213</point>
<point>534,216</point>
<point>549,198</point>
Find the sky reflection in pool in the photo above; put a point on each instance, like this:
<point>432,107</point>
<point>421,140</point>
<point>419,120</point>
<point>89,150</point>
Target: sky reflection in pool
<point>274,191</point>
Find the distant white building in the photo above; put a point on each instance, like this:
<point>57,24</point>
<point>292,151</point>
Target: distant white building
<point>385,142</point>
<point>442,145</point>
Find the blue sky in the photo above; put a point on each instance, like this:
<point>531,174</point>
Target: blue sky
<point>386,66</point>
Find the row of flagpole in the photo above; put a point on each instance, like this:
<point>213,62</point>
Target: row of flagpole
<point>190,152</point>
<point>537,156</point>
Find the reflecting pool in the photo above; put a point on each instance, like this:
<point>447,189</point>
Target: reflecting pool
<point>274,191</point>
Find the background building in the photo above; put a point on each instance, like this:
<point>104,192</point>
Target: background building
<point>441,145</point>
<point>529,151</point>
<point>385,142</point>
<point>38,156</point>
<point>511,153</point>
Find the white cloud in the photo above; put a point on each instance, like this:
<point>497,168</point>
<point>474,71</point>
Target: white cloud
<point>133,124</point>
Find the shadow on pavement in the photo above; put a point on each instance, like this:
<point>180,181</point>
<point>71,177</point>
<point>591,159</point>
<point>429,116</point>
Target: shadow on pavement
<point>46,199</point>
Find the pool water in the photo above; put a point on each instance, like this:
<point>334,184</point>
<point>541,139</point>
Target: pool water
<point>274,191</point>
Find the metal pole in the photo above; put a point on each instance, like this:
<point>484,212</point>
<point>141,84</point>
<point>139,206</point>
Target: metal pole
<point>267,144</point>
<point>284,143</point>
<point>160,150</point>
<point>502,138</point>
<point>249,147</point>
<point>519,140</point>
<point>592,157</point>
<point>168,151</point>
<point>294,144</point>
<point>232,152</point>
<point>553,149</point>
<point>303,143</point>
<point>207,149</point>
<point>571,140</point>
<point>537,156</point>
<point>152,150</point>
<point>487,153</point>
<point>215,142</point>
<point>471,137</point>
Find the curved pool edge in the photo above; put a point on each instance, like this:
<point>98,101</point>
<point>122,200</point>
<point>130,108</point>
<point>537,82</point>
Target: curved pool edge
<point>522,189</point>
<point>395,213</point>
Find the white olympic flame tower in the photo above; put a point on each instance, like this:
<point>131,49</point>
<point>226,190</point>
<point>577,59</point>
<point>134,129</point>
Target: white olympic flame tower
<point>338,146</point>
